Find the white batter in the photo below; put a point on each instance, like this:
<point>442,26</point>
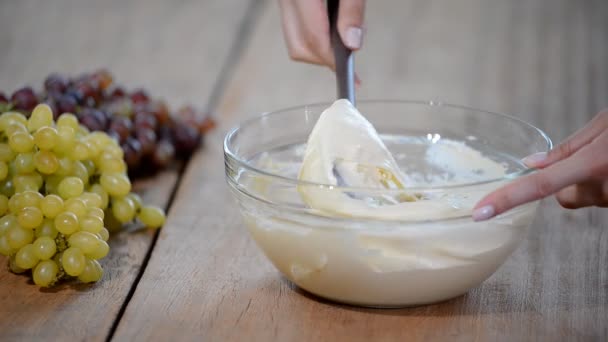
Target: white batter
<point>383,248</point>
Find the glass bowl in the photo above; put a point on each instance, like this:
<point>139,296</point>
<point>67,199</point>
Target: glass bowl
<point>378,262</point>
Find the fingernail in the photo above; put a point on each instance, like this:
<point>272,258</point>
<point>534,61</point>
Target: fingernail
<point>535,159</point>
<point>352,37</point>
<point>483,213</point>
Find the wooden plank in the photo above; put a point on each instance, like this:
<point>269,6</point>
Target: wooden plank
<point>206,278</point>
<point>173,50</point>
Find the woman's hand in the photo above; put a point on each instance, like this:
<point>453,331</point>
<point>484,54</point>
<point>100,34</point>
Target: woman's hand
<point>306,29</point>
<point>576,171</point>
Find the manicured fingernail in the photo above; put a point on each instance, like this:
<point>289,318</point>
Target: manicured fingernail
<point>483,213</point>
<point>535,159</point>
<point>353,37</point>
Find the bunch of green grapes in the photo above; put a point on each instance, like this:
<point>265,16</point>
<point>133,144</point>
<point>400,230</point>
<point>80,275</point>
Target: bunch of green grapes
<point>58,182</point>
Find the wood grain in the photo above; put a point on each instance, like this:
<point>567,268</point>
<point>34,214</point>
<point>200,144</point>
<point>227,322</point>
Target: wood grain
<point>545,61</point>
<point>170,48</point>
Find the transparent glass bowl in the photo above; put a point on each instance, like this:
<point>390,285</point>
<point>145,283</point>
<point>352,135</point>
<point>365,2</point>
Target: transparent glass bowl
<point>380,262</point>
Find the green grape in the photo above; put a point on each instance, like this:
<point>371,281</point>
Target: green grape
<point>100,251</point>
<point>4,204</point>
<point>152,216</point>
<point>26,257</point>
<point>97,212</point>
<point>66,223</point>
<point>108,163</point>
<point>3,170</point>
<point>115,184</point>
<point>81,172</point>
<point>18,237</point>
<point>92,272</point>
<point>32,182</point>
<point>99,139</point>
<point>93,146</point>
<point>7,188</point>
<point>80,151</point>
<point>91,199</point>
<point>8,117</point>
<point>42,115</point>
<point>51,205</point>
<point>24,163</point>
<point>47,228</point>
<point>14,203</point>
<point>46,162</point>
<point>15,127</point>
<point>98,189</point>
<point>52,183</point>
<point>6,153</point>
<point>111,223</point>
<point>30,217</point>
<point>66,140</point>
<point>21,142</point>
<point>30,198</point>
<point>87,242</point>
<point>104,234</point>
<point>70,187</point>
<point>67,119</point>
<point>114,150</point>
<point>91,224</point>
<point>73,261</point>
<point>45,273</point>
<point>6,222</point>
<point>12,265</point>
<point>66,167</point>
<point>46,138</point>
<point>90,166</point>
<point>123,209</point>
<point>45,248</point>
<point>136,199</point>
<point>5,248</point>
<point>76,206</point>
<point>82,130</point>
<point>13,116</point>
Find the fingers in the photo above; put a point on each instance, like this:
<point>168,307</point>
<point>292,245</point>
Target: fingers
<point>572,144</point>
<point>584,195</point>
<point>306,31</point>
<point>536,186</point>
<point>350,22</point>
<point>586,166</point>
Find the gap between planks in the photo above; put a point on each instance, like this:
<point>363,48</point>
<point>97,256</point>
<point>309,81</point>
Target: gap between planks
<point>239,45</point>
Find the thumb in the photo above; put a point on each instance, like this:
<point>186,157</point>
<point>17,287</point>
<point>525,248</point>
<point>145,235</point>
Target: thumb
<point>350,23</point>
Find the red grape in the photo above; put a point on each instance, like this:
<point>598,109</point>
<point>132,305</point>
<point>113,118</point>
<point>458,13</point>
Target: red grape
<point>119,107</point>
<point>147,139</point>
<point>207,124</point>
<point>117,93</point>
<point>103,77</point>
<point>55,83</point>
<point>186,138</point>
<point>139,96</point>
<point>145,120</point>
<point>3,98</point>
<point>160,111</point>
<point>66,104</point>
<point>122,126</point>
<point>133,152</point>
<point>24,99</point>
<point>93,119</point>
<point>164,153</point>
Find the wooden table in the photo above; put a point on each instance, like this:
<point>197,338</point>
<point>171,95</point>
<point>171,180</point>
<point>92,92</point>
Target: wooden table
<point>202,277</point>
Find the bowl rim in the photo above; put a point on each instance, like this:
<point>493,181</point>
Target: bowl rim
<point>230,154</point>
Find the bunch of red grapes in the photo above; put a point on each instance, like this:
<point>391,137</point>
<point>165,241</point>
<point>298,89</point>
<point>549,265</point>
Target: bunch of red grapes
<point>150,136</point>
